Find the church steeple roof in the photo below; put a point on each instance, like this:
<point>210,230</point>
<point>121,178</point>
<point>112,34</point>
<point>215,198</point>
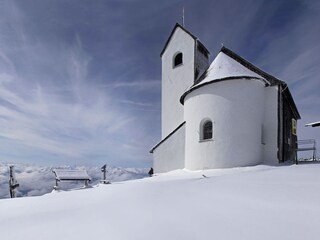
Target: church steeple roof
<point>190,34</point>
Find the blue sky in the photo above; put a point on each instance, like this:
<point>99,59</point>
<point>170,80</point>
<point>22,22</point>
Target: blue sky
<point>80,80</point>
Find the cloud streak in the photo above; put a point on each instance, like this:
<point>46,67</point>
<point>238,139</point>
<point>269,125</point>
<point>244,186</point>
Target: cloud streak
<point>141,85</point>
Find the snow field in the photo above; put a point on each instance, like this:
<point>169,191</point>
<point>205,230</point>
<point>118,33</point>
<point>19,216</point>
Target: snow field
<point>258,202</point>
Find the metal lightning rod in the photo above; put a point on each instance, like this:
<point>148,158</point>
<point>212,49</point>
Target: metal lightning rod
<point>182,16</point>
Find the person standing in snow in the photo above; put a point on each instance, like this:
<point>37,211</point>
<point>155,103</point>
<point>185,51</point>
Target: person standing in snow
<point>150,172</point>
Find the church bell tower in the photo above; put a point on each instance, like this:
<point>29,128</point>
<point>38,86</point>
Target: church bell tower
<point>184,59</point>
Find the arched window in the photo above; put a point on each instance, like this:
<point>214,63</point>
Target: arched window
<point>177,60</point>
<point>207,130</point>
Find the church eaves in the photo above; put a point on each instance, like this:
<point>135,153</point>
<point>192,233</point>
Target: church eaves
<point>167,137</point>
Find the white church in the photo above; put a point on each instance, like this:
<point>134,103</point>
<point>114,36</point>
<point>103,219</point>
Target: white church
<point>225,114</point>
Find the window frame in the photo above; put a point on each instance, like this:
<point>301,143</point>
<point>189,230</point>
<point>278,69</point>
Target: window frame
<point>203,130</point>
<point>174,65</point>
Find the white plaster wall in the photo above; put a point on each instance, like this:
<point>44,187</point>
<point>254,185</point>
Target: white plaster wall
<point>176,80</point>
<point>236,109</point>
<point>271,126</point>
<point>169,155</point>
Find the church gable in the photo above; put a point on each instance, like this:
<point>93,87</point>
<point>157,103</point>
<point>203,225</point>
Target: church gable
<point>180,41</point>
<point>178,26</point>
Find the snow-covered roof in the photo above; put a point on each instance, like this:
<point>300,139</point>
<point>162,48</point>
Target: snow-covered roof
<point>224,67</point>
<point>63,174</point>
<point>314,124</point>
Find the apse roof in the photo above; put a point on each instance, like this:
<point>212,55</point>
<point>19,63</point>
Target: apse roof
<point>224,66</point>
<point>228,65</point>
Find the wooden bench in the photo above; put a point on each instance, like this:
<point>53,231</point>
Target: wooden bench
<point>71,175</point>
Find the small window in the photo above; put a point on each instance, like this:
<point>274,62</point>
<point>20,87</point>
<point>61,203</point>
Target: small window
<point>177,60</point>
<point>207,130</point>
<point>294,126</point>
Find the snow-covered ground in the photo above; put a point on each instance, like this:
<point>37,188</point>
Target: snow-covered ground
<point>255,203</point>
<point>37,180</point>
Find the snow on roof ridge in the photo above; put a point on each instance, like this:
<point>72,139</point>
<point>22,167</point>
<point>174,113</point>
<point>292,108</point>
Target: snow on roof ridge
<point>313,124</point>
<point>224,66</point>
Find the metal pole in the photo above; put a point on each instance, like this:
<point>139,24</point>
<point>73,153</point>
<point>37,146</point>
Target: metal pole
<point>104,174</point>
<point>314,150</point>
<point>13,184</point>
<point>183,17</point>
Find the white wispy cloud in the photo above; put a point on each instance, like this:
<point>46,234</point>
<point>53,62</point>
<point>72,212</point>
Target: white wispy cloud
<point>141,85</point>
<point>136,103</point>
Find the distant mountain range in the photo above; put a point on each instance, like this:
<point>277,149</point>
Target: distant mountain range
<point>38,180</point>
